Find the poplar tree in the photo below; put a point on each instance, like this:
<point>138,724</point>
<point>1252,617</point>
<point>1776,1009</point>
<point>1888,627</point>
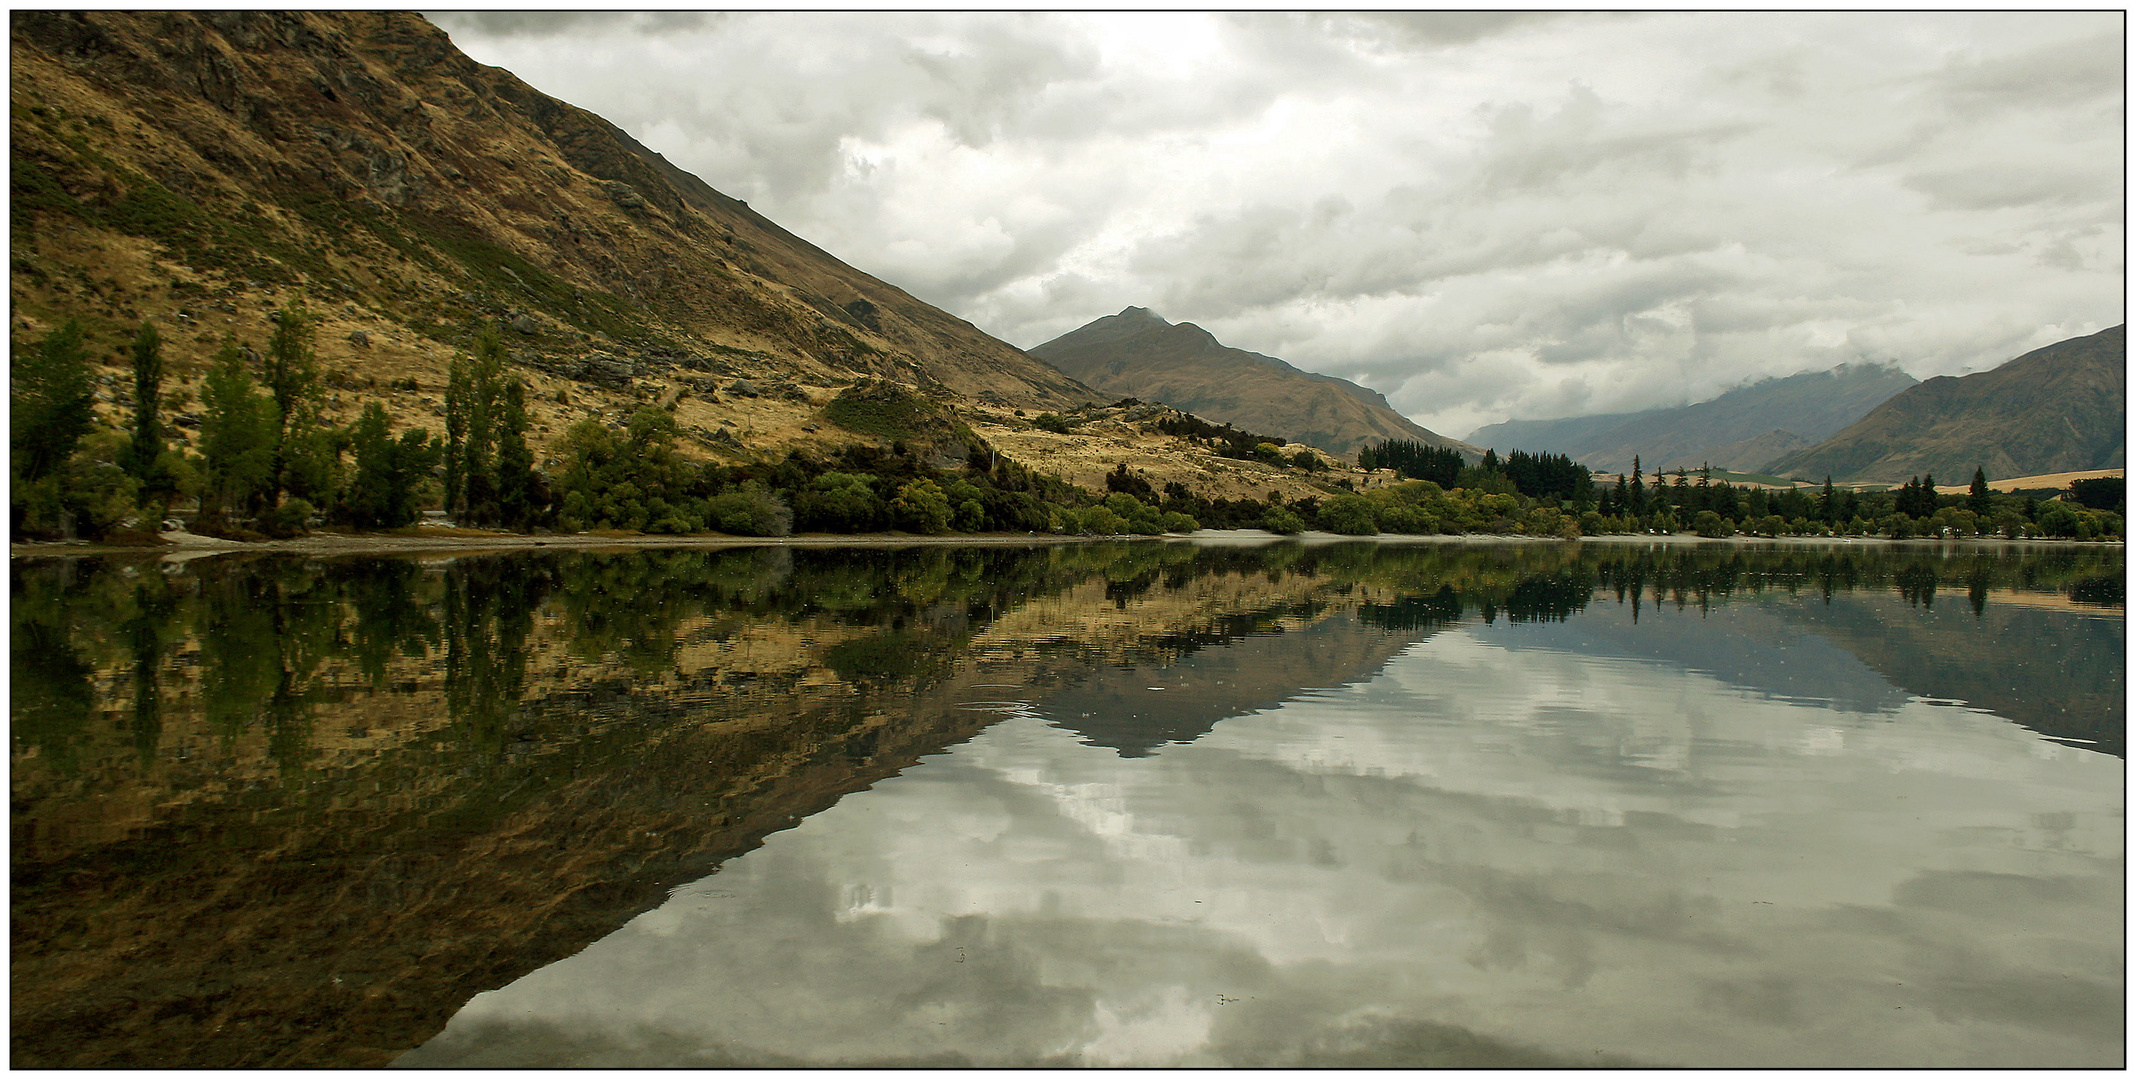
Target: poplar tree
<point>291,374</point>
<point>144,458</point>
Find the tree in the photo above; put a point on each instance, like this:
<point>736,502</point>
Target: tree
<point>382,494</point>
<point>145,458</point>
<point>291,376</point>
<point>521,494</point>
<point>474,400</point>
<point>922,507</point>
<point>237,440</point>
<point>839,502</point>
<point>1349,515</point>
<point>1978,498</point>
<point>51,402</point>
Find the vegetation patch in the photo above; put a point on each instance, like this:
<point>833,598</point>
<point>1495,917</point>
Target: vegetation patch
<point>885,410</point>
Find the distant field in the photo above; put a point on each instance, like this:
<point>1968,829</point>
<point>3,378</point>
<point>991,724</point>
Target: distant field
<point>1744,480</point>
<point>2017,483</point>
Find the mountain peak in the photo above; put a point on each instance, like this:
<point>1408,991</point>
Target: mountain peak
<point>1138,354</point>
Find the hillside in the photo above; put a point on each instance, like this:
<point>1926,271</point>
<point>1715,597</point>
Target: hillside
<point>1138,354</point>
<point>1741,429</point>
<point>199,168</point>
<point>2057,409</point>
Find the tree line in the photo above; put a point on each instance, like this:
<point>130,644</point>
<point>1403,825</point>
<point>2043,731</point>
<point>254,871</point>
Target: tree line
<point>267,464</point>
<point>1556,496</point>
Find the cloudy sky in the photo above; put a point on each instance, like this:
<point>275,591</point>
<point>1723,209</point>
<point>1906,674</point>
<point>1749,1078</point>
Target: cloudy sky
<point>1485,216</point>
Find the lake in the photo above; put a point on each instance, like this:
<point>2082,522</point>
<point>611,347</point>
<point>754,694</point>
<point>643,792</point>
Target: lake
<point>1104,804</point>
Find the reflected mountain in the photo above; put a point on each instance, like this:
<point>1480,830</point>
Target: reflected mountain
<point>1743,645</point>
<point>280,812</point>
<point>2058,672</point>
<point>1204,680</point>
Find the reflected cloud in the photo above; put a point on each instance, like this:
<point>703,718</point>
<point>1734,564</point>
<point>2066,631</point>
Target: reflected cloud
<point>1484,855</point>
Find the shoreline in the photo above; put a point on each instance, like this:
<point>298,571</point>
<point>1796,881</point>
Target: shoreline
<point>187,546</point>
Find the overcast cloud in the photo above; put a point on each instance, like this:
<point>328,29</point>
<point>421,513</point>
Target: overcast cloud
<point>1483,215</point>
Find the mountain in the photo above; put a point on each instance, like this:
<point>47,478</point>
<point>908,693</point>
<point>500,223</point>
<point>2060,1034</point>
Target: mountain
<point>2056,409</point>
<point>1741,429</point>
<point>1138,354</point>
<point>197,168</point>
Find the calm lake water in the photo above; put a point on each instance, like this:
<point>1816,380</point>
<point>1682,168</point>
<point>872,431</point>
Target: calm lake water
<point>1092,804</point>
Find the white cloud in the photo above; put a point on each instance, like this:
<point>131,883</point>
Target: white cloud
<point>1481,215</point>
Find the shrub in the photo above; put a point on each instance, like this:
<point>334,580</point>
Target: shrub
<point>749,510</point>
<point>922,507</point>
<point>1281,520</point>
<point>1348,515</point>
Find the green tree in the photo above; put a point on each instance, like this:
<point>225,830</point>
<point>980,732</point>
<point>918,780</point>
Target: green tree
<point>521,492</point>
<point>237,440</point>
<point>146,459</point>
<point>749,510</point>
<point>1280,519</point>
<point>1349,515</point>
<point>839,502</point>
<point>51,408</point>
<point>291,374</point>
<point>922,507</point>
<point>51,403</point>
<point>474,402</point>
<point>382,494</point>
<point>1978,498</point>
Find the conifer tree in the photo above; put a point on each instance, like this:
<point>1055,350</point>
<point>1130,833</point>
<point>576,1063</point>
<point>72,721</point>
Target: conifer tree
<point>1979,499</point>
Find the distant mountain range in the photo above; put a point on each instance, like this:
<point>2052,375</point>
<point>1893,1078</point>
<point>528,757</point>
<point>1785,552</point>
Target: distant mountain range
<point>2057,409</point>
<point>1138,354</point>
<point>1742,429</point>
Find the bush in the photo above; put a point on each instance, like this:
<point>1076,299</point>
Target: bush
<point>1281,520</point>
<point>749,510</point>
<point>286,520</point>
<point>840,502</point>
<point>1710,524</point>
<point>1348,515</point>
<point>921,507</point>
<point>1053,422</point>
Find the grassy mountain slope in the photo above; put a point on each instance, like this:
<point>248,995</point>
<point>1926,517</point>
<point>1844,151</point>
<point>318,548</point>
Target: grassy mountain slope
<point>1741,429</point>
<point>198,168</point>
<point>2055,409</point>
<point>1138,354</point>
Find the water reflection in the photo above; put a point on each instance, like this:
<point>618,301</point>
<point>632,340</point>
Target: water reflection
<point>289,812</point>
<point>1487,855</point>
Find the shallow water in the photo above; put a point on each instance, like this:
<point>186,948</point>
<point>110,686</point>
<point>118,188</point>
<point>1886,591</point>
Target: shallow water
<point>1101,805</point>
